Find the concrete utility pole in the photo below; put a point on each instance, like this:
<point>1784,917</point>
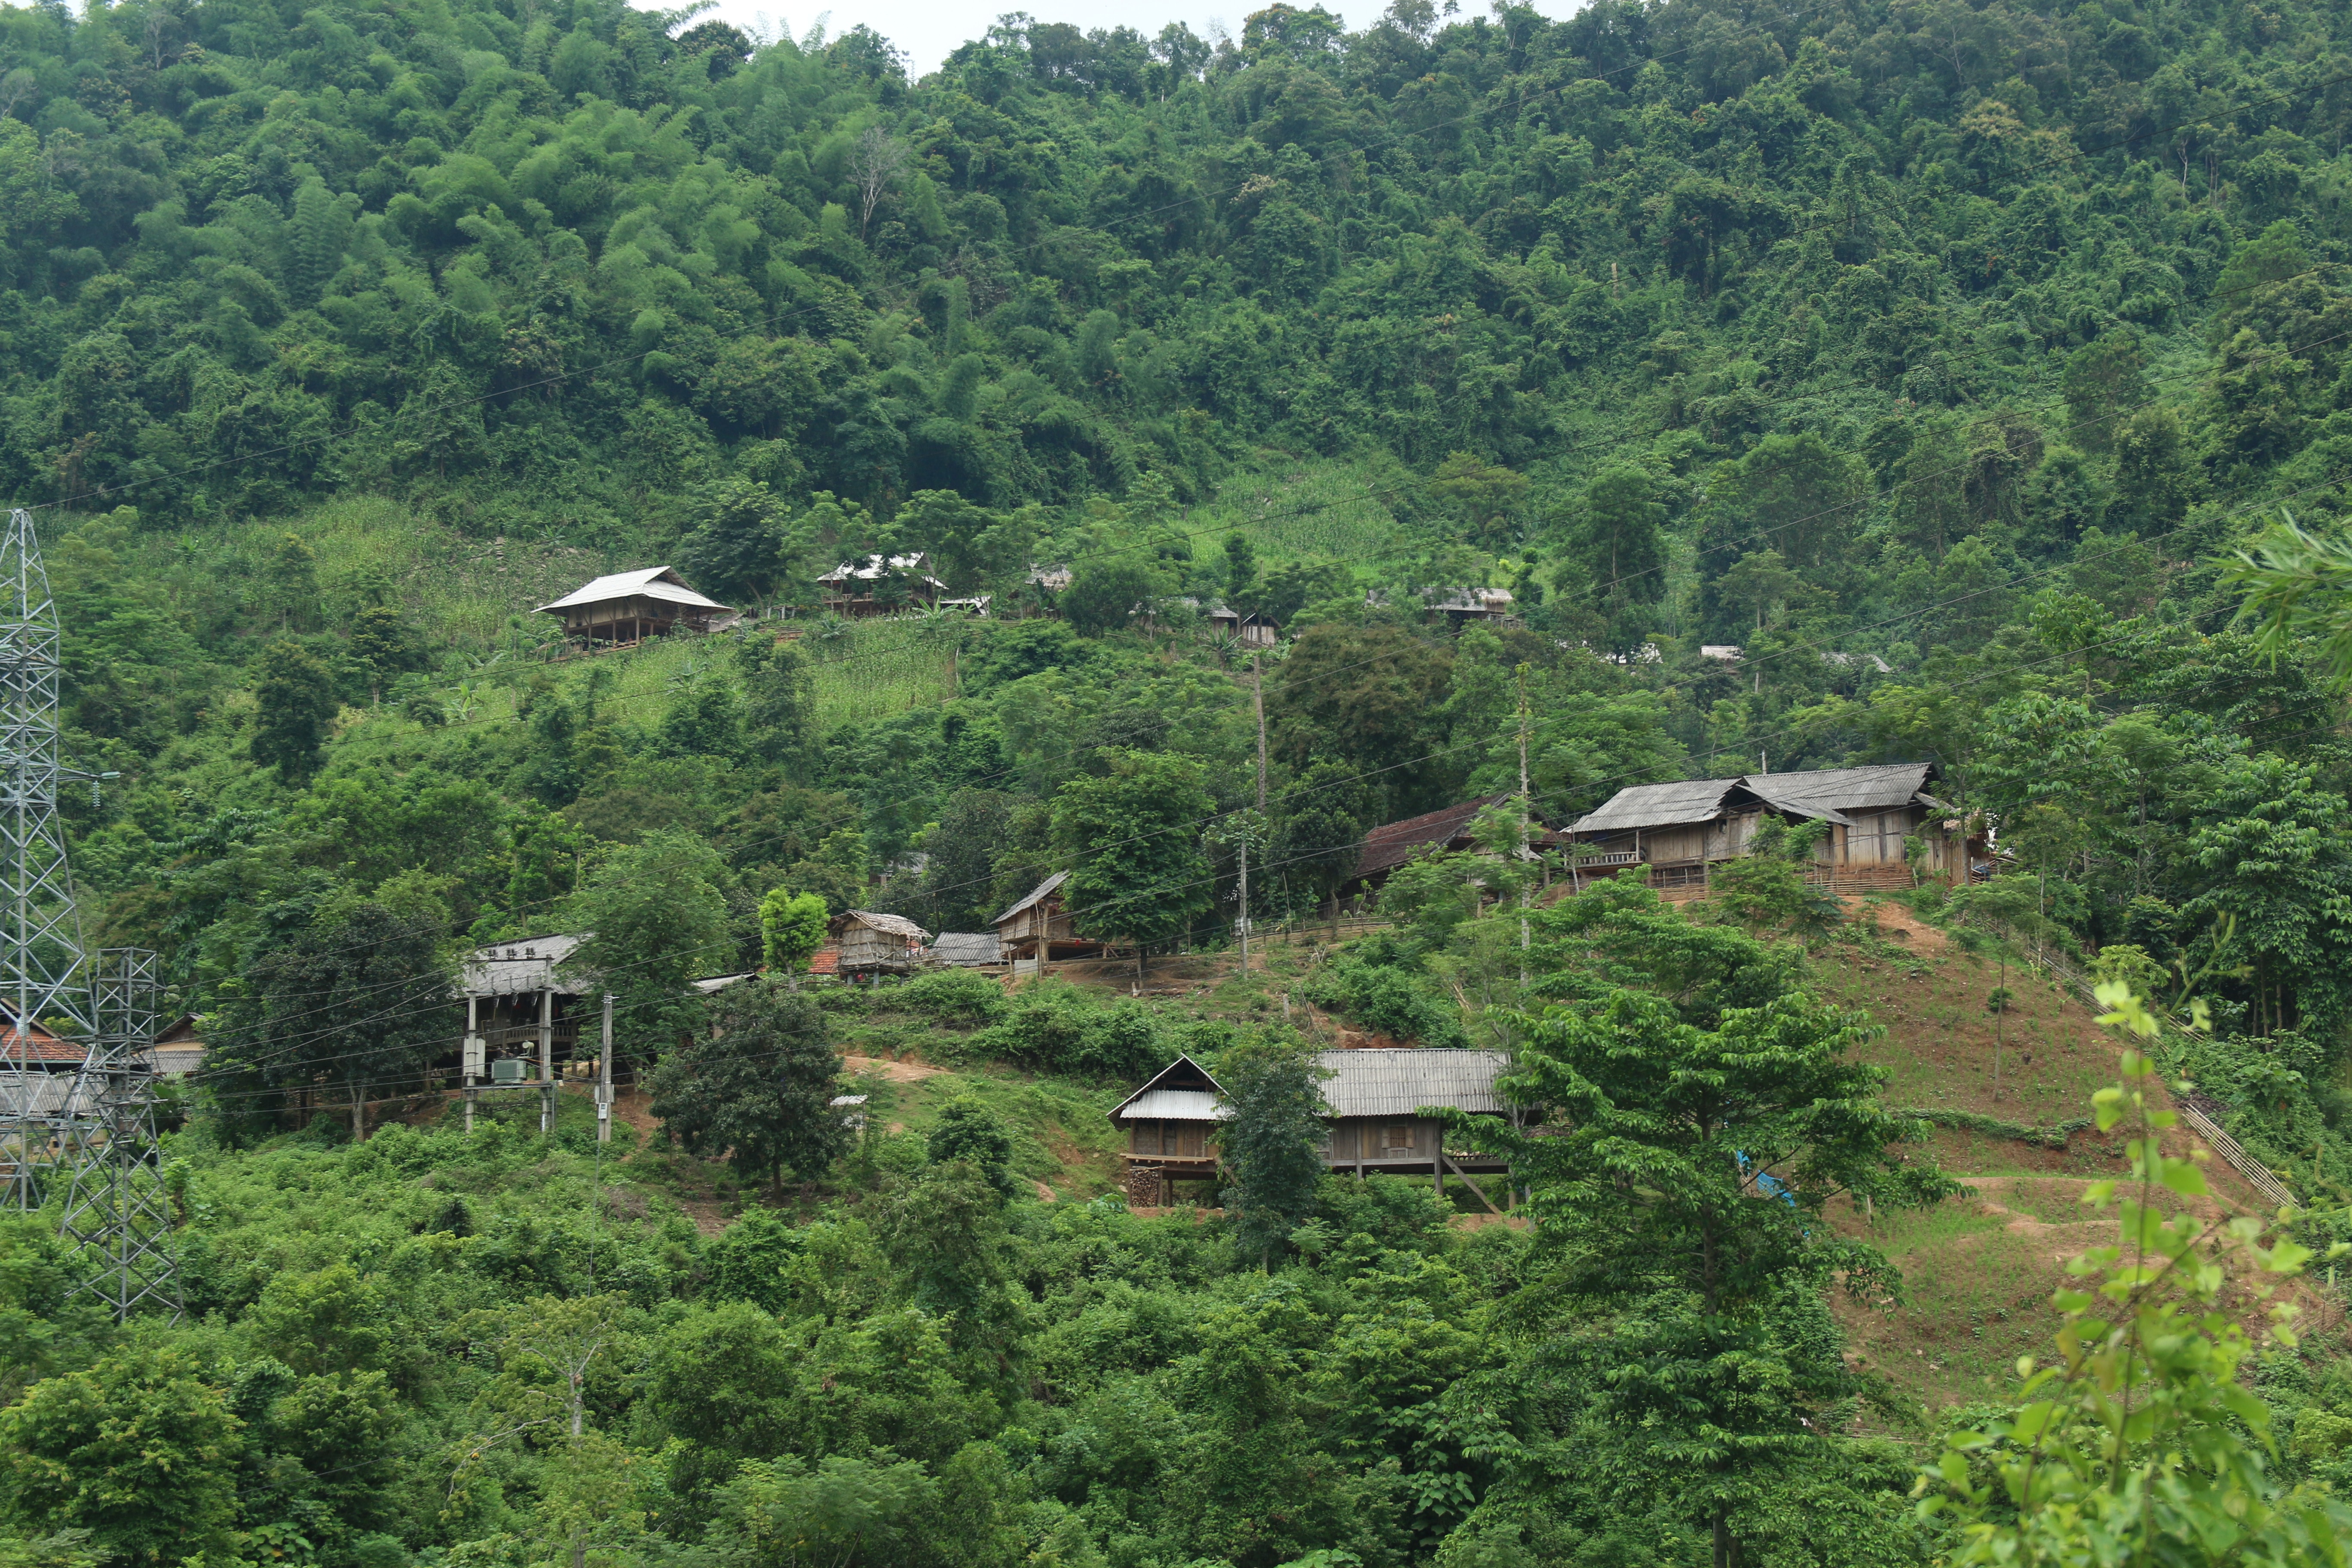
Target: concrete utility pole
<point>470,1063</point>
<point>1245,911</point>
<point>604,1077</point>
<point>546,1062</point>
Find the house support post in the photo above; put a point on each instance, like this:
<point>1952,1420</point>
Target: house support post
<point>546,1063</point>
<point>1474,1186</point>
<point>469,1063</point>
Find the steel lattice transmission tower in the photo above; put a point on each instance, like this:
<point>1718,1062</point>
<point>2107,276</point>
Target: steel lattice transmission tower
<point>116,1205</point>
<point>41,929</point>
<point>96,1125</point>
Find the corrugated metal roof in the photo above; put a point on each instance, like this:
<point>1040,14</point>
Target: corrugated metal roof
<point>1393,844</point>
<point>1795,804</point>
<point>650,582</point>
<point>512,968</point>
<point>1183,1073</point>
<point>1173,1105</point>
<point>1658,805</point>
<point>1036,893</point>
<point>1847,789</point>
<point>713,985</point>
<point>964,949</point>
<point>1399,1083</point>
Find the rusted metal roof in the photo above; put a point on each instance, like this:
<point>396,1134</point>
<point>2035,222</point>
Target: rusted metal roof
<point>1399,1082</point>
<point>1393,844</point>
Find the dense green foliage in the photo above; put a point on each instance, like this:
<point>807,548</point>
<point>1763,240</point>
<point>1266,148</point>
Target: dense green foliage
<point>1940,357</point>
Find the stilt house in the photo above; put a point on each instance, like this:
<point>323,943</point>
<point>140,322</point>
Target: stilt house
<point>873,586</point>
<point>1680,830</point>
<point>627,607</point>
<point>1373,1099</point>
<point>1040,927</point>
<point>871,943</point>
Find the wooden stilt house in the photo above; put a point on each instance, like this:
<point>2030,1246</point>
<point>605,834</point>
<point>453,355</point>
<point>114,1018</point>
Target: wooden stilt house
<point>1375,1102</point>
<point>871,943</point>
<point>627,607</point>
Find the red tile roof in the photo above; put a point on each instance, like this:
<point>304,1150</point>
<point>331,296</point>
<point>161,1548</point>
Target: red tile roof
<point>1389,846</point>
<point>41,1046</point>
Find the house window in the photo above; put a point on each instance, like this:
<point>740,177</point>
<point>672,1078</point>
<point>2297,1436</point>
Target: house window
<point>1397,1139</point>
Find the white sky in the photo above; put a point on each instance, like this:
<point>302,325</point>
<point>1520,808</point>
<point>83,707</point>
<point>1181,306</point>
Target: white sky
<point>930,30</point>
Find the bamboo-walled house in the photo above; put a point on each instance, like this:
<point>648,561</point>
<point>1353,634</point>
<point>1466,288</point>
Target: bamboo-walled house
<point>870,942</point>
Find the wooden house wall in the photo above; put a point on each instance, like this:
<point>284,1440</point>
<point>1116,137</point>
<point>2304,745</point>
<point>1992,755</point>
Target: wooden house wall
<point>1172,1140</point>
<point>1683,841</point>
<point>1382,1140</point>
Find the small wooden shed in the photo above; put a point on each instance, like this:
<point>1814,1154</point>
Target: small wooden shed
<point>872,942</point>
<point>1250,630</point>
<point>178,1049</point>
<point>1171,1125</point>
<point>629,606</point>
<point>1041,926</point>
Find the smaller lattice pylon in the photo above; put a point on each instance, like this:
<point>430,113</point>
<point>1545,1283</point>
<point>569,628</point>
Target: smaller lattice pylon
<point>116,1207</point>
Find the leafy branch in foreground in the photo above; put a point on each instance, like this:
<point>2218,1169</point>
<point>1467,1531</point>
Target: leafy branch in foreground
<point>2139,1444</point>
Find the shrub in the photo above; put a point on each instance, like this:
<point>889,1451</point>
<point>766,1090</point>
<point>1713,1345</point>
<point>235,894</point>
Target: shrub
<point>959,998</point>
<point>1057,1027</point>
<point>1390,1001</point>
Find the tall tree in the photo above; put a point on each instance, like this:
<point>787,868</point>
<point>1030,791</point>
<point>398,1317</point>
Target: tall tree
<point>355,991</point>
<point>653,920</point>
<point>757,1086</point>
<point>792,928</point>
<point>1132,837</point>
<point>1682,1183</point>
<point>1273,1137</point>
<point>295,698</point>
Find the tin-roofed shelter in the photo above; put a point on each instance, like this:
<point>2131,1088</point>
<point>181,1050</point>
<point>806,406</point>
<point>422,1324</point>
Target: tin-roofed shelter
<point>1375,1100</point>
<point>965,949</point>
<point>1679,829</point>
<point>627,607</point>
<point>523,1015</point>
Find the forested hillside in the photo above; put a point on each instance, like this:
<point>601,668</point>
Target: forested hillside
<point>1868,382</point>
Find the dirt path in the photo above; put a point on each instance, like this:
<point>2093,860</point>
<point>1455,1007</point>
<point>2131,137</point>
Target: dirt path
<point>890,1071</point>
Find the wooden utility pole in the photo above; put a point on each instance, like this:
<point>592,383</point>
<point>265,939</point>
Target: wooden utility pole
<point>1244,920</point>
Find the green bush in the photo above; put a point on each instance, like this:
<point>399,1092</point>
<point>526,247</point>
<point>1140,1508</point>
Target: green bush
<point>1057,1027</point>
<point>1387,1000</point>
<point>957,999</point>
